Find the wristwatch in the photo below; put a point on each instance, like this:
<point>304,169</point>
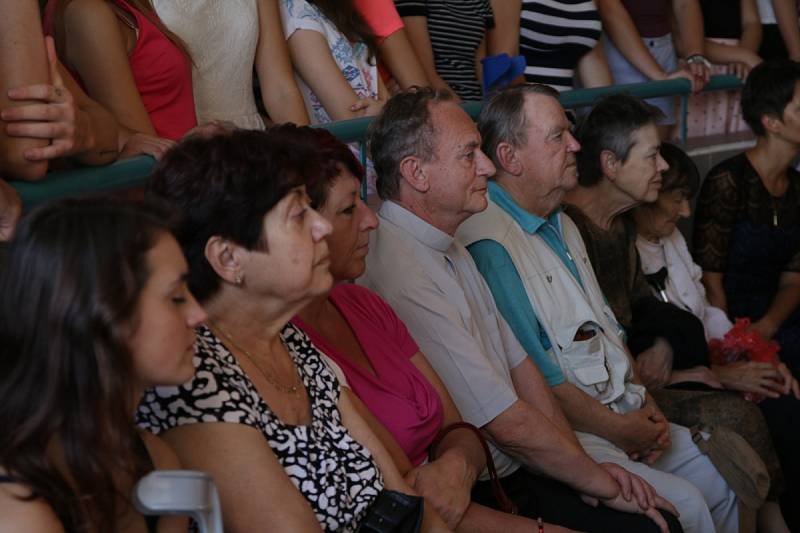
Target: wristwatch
<point>698,58</point>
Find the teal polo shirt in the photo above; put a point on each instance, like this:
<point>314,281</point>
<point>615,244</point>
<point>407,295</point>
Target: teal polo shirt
<point>497,268</point>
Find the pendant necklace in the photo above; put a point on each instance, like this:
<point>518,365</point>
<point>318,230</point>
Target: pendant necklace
<point>294,388</point>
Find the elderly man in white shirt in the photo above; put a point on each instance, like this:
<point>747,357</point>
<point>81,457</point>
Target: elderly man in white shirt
<point>432,176</point>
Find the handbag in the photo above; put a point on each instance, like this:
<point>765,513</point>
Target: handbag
<point>504,503</point>
<point>393,512</point>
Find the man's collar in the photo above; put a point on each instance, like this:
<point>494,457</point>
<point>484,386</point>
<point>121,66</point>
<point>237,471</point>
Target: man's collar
<point>422,231</point>
<point>529,222</point>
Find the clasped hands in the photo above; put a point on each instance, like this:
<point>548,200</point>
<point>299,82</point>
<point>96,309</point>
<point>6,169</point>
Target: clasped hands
<point>645,434</point>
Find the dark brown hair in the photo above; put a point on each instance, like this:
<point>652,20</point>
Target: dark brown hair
<point>334,156</point>
<point>682,173</point>
<point>71,282</point>
<point>224,185</point>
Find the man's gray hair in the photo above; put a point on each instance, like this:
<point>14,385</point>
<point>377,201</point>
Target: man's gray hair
<point>402,129</point>
<point>503,119</point>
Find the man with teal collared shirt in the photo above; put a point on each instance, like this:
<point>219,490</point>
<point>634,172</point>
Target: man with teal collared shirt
<point>535,263</point>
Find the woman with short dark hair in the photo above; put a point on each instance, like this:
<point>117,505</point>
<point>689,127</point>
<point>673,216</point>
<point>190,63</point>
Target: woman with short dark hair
<point>263,414</point>
<point>94,310</point>
<point>747,230</point>
<point>747,226</point>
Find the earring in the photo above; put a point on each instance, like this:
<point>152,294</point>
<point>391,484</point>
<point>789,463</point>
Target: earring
<point>238,279</point>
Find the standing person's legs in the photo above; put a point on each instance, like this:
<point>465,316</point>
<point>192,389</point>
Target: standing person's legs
<point>558,504</point>
<point>623,72</point>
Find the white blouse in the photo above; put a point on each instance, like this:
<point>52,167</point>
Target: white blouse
<point>683,286</point>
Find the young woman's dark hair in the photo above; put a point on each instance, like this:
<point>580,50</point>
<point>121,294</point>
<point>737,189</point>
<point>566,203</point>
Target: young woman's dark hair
<point>70,283</point>
<point>768,90</point>
<point>349,21</point>
<point>224,185</point>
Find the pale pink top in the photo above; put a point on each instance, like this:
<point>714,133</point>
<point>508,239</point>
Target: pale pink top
<point>399,395</point>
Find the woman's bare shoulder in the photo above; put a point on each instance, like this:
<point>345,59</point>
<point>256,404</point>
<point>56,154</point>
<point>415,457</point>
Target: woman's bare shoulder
<point>25,516</point>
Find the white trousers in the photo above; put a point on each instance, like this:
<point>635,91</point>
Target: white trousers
<point>684,476</point>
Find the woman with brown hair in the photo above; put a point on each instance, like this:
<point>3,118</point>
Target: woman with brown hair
<point>95,309</point>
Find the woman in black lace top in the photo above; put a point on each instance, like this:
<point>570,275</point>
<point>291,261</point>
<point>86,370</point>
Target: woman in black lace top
<point>747,241</point>
<point>747,228</point>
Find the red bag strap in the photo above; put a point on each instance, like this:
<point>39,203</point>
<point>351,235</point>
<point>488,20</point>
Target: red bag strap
<point>503,501</point>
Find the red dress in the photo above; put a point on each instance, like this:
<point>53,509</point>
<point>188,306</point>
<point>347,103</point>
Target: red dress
<point>162,73</point>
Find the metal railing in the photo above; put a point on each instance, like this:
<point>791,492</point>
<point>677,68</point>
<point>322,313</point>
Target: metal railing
<point>133,172</point>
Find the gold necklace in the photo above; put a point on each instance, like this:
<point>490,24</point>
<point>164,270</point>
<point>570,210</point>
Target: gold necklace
<point>294,388</point>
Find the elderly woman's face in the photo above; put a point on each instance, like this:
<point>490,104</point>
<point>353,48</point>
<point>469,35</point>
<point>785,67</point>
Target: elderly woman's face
<point>294,266</point>
<point>352,222</point>
<point>659,219</point>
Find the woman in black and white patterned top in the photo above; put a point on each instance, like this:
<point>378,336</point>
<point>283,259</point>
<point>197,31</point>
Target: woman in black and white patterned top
<point>334,472</point>
<point>263,414</point>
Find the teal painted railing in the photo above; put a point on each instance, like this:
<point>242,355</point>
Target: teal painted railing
<point>133,172</point>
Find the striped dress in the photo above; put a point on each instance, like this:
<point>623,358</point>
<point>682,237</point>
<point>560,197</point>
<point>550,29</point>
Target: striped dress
<point>456,29</point>
<point>554,36</point>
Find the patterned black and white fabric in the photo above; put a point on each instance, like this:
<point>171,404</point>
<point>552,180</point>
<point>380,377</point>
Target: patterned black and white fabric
<point>334,473</point>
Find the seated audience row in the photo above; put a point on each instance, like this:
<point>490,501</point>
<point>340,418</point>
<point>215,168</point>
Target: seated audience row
<point>431,281</point>
<point>620,167</point>
<point>659,243</point>
<point>294,382</point>
<point>253,376</point>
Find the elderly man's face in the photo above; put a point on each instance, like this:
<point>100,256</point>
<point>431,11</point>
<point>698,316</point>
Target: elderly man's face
<point>459,170</point>
<point>640,175</point>
<point>548,155</point>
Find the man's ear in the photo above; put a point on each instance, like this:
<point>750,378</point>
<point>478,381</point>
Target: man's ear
<point>413,172</point>
<point>508,158</point>
<point>609,163</point>
<point>225,258</point>
<point>771,123</point>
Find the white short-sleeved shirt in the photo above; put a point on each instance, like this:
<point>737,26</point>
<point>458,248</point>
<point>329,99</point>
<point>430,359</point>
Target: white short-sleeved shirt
<point>351,58</point>
<point>432,283</point>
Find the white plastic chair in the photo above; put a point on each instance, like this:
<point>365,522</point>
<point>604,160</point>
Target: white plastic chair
<point>180,492</point>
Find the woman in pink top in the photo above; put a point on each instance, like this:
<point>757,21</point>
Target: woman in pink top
<point>130,63</point>
<point>404,401</point>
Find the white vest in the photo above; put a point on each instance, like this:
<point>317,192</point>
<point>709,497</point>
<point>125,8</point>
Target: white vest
<point>600,365</point>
